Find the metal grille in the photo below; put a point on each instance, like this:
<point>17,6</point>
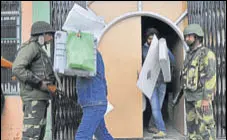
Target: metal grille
<point>10,40</point>
<point>10,5</point>
<point>211,15</point>
<point>66,113</point>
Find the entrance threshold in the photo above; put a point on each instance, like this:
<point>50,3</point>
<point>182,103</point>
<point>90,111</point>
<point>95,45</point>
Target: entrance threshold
<point>172,134</point>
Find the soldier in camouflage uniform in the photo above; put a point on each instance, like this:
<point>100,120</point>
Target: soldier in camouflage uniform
<point>199,79</point>
<point>33,69</point>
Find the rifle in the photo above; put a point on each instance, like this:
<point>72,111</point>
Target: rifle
<point>180,93</point>
<point>177,98</point>
<point>54,90</point>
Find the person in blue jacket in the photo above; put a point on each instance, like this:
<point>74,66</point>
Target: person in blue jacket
<point>92,96</point>
<point>159,92</point>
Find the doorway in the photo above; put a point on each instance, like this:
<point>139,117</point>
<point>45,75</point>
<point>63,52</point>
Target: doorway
<point>173,121</point>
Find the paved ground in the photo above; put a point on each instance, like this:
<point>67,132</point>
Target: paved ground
<point>172,134</point>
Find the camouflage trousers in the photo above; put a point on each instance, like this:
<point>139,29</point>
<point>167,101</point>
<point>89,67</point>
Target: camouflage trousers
<point>34,119</point>
<point>200,125</point>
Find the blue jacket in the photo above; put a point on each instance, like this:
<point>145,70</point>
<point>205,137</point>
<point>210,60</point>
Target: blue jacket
<point>92,91</point>
<point>160,79</point>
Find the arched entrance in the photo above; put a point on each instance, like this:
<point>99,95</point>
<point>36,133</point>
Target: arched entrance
<point>120,44</point>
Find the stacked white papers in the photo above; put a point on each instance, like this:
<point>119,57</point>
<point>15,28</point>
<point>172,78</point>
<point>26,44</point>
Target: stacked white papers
<point>80,19</point>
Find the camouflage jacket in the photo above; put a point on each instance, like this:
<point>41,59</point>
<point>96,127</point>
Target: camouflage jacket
<point>199,74</point>
<point>31,66</point>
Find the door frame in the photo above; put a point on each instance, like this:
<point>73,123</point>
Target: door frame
<point>144,13</point>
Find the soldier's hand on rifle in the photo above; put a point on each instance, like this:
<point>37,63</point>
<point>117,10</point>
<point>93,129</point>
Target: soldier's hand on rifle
<point>205,106</point>
<point>52,89</point>
<point>44,85</point>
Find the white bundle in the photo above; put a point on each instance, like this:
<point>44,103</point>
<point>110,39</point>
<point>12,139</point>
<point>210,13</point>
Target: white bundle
<point>60,51</point>
<point>164,60</point>
<point>80,19</point>
<point>150,70</point>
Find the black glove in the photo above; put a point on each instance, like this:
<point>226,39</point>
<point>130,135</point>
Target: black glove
<point>44,85</point>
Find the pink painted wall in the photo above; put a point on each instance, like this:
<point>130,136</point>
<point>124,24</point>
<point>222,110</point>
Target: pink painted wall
<point>11,120</point>
<point>26,19</point>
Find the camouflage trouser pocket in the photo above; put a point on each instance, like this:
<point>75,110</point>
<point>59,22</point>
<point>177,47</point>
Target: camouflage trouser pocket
<point>201,125</point>
<point>34,119</point>
<point>206,117</point>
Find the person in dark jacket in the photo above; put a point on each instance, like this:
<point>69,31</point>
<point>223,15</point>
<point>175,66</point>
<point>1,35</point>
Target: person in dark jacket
<point>159,92</point>
<point>92,96</point>
<point>33,69</point>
